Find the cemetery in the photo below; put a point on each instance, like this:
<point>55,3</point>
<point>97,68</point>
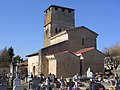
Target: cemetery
<point>90,81</point>
<point>63,63</point>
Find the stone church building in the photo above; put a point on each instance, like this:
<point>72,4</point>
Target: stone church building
<point>67,49</point>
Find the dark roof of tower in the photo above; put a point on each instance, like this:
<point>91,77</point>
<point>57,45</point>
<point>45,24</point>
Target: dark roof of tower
<point>59,7</point>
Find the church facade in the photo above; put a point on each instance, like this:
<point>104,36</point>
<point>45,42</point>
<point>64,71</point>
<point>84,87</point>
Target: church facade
<point>64,45</point>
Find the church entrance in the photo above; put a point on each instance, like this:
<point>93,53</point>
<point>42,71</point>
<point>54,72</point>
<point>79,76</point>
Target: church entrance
<point>33,70</point>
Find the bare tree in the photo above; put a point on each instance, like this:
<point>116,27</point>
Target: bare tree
<point>112,60</point>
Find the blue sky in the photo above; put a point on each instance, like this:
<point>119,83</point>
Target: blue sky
<point>21,22</point>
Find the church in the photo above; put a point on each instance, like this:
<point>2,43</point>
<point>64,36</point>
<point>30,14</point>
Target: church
<point>67,49</point>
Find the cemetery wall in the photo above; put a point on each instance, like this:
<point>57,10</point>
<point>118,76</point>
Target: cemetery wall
<point>6,69</point>
<point>4,66</point>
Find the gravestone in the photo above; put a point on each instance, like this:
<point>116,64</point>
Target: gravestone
<point>52,78</point>
<point>62,81</point>
<point>89,73</point>
<point>42,78</point>
<point>29,79</point>
<point>48,84</point>
<point>3,85</point>
<point>30,76</point>
<point>117,87</point>
<point>76,80</point>
<point>70,84</point>
<point>36,82</point>
<point>17,83</point>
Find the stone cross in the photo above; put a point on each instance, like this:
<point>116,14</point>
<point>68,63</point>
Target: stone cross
<point>17,82</point>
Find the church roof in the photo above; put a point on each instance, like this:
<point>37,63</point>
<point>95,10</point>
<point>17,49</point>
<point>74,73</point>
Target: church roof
<point>77,52</point>
<point>84,50</point>
<point>24,63</point>
<point>33,54</point>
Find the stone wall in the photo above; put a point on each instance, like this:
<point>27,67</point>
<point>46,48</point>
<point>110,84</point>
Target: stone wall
<point>60,47</point>
<point>95,60</point>
<point>80,38</point>
<point>56,20</point>
<point>4,66</point>
<point>67,65</point>
<point>33,62</point>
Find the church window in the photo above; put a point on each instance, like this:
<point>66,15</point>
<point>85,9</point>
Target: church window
<point>60,30</point>
<point>56,8</point>
<point>46,32</point>
<point>46,11</point>
<point>83,41</point>
<point>63,10</point>
<point>56,30</point>
<point>49,9</point>
<point>69,11</point>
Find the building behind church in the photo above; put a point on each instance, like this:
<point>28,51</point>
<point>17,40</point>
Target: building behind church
<point>64,45</point>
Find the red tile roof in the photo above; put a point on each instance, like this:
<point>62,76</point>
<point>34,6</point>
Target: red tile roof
<point>24,63</point>
<point>84,50</point>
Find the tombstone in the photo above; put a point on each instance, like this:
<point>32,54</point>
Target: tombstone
<point>89,74</point>
<point>92,85</point>
<point>52,78</point>
<point>117,82</point>
<point>17,83</point>
<point>70,84</point>
<point>29,76</point>
<point>48,84</point>
<point>3,85</point>
<point>29,79</point>
<point>62,81</point>
<point>41,76</point>
<point>36,81</point>
<point>76,80</point>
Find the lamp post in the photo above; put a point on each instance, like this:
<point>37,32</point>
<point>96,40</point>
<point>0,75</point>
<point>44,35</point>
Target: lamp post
<point>81,65</point>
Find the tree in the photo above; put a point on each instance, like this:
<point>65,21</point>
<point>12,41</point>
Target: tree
<point>112,60</point>
<point>4,56</point>
<point>11,53</point>
<point>18,59</point>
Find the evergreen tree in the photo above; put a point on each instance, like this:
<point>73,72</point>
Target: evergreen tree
<point>5,55</point>
<point>11,53</point>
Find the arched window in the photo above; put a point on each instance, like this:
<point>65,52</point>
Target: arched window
<point>56,8</point>
<point>60,30</point>
<point>46,31</point>
<point>56,30</point>
<point>83,41</point>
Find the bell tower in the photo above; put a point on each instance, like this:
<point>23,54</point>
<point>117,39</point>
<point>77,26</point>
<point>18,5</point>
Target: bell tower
<point>56,20</point>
